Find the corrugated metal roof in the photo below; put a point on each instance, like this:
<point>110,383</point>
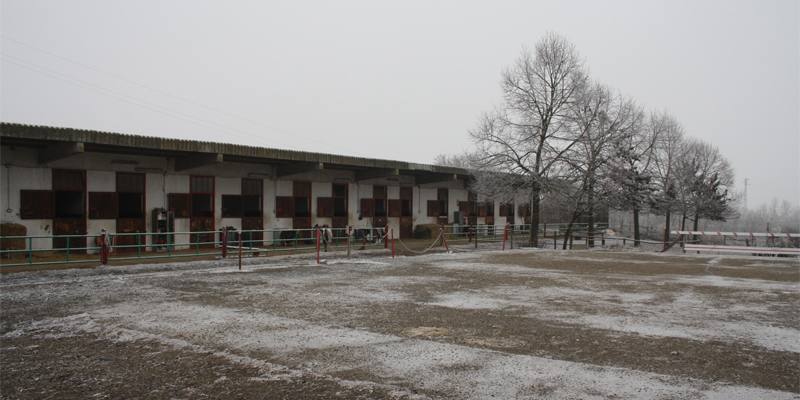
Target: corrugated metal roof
<point>9,130</point>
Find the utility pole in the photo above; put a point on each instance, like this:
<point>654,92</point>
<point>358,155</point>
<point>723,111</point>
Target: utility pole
<point>745,193</point>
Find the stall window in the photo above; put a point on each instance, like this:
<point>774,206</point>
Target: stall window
<point>231,206</point>
<point>252,194</point>
<point>36,204</point>
<point>178,203</point>
<point>102,205</point>
<point>130,195</point>
<point>340,200</point>
<point>202,191</point>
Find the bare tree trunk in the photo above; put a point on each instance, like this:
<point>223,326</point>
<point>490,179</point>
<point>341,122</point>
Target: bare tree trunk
<point>590,218</point>
<point>695,225</point>
<point>683,221</point>
<point>568,232</point>
<point>636,235</point>
<point>534,234</point>
<point>666,228</point>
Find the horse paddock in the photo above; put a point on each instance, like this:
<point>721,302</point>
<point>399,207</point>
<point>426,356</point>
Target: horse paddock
<point>463,325</point>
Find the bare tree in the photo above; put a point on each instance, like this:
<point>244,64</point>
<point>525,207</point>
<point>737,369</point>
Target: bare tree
<point>601,119</point>
<point>464,160</point>
<point>705,179</point>
<point>665,162</point>
<point>630,173</point>
<point>527,136</point>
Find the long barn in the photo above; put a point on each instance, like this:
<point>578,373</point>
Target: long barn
<point>62,181</point>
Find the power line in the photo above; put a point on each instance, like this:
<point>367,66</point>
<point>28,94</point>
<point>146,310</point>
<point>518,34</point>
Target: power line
<point>126,98</point>
<point>144,86</point>
<point>129,99</point>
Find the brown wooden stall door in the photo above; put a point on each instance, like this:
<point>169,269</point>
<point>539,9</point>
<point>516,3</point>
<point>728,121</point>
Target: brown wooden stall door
<point>406,227</point>
<point>202,224</point>
<point>406,212</point>
<point>131,214</point>
<point>339,222</point>
<point>69,207</point>
<point>254,239</point>
<point>69,226</point>
<point>302,207</point>
<point>201,219</point>
<point>130,225</point>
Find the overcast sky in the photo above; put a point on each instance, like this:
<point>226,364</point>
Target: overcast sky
<point>400,80</point>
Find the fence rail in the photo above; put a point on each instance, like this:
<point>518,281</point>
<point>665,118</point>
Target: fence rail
<point>104,248</point>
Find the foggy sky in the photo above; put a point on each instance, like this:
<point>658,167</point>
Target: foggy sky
<point>400,80</point>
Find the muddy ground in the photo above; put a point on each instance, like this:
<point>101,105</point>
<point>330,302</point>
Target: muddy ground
<point>489,324</point>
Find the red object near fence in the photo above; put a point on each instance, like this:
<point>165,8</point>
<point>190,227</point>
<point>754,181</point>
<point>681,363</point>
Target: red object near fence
<point>224,243</point>
<point>240,251</point>
<point>505,236</point>
<point>444,239</point>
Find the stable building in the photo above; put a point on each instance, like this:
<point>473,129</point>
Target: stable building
<point>62,181</point>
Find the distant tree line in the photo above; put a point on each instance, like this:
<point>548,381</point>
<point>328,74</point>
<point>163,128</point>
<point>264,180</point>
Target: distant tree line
<point>558,133</point>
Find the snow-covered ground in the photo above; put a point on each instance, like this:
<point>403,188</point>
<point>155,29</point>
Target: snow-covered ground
<point>289,318</point>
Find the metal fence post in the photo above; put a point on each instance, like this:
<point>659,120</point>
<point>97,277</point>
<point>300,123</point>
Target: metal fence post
<point>30,250</point>
<point>224,238</point>
<point>317,233</point>
<point>349,241</point>
<point>505,236</point>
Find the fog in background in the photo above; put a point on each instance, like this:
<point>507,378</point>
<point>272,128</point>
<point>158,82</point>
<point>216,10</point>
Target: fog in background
<point>398,80</point>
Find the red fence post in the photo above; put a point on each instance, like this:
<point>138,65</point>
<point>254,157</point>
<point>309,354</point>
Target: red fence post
<point>317,246</point>
<point>391,231</point>
<point>444,239</point>
<point>224,242</point>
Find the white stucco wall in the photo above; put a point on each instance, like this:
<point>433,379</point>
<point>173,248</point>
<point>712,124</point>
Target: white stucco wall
<point>423,194</point>
<point>12,180</point>
<point>25,173</point>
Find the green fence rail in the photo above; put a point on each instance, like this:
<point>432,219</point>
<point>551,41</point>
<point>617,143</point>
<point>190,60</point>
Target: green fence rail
<point>38,250</point>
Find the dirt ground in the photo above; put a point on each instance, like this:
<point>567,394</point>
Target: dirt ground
<point>463,325</point>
